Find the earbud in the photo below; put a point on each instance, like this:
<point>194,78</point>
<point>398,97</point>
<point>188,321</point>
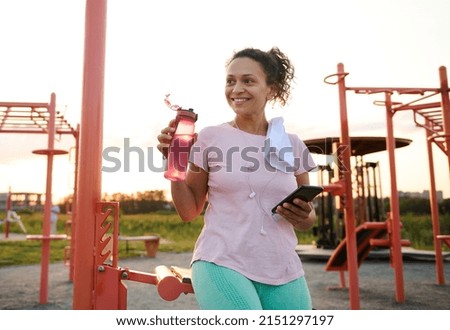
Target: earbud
<point>253,194</point>
<point>263,232</point>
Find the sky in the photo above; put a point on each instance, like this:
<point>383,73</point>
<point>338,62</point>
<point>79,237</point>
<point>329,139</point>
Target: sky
<point>180,47</point>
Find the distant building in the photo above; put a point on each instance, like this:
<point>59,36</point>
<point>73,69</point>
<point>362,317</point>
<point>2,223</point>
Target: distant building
<point>23,201</point>
<point>424,194</point>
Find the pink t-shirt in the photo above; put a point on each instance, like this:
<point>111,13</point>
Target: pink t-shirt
<point>240,231</point>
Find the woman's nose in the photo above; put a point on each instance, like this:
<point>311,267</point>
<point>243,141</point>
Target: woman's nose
<point>238,88</point>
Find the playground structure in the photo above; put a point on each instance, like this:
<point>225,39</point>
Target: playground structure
<point>38,118</point>
<point>97,276</point>
<point>434,117</point>
<point>367,186</point>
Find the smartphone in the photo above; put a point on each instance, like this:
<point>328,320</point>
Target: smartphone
<point>304,192</point>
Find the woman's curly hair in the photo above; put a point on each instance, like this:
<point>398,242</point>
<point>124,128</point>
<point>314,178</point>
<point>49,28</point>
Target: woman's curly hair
<point>277,67</point>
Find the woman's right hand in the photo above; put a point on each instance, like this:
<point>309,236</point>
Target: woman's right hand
<point>165,138</point>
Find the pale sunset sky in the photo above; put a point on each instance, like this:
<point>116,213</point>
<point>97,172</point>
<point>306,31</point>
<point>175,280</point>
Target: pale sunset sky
<point>180,47</point>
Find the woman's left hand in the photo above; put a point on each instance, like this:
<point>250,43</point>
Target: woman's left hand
<point>300,214</point>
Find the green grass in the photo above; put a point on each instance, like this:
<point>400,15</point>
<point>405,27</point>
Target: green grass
<point>419,230</point>
<point>176,235</point>
<point>28,252</point>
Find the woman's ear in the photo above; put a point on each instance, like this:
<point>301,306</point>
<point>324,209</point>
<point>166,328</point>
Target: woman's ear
<point>271,94</point>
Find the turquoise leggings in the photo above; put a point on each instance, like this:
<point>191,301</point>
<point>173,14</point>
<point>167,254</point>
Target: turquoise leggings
<point>220,288</point>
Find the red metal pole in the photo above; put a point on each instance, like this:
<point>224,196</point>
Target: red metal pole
<point>445,109</point>
<point>396,251</point>
<point>74,205</point>
<point>43,294</point>
<point>349,214</point>
<point>434,211</point>
<point>89,176</point>
<point>445,102</point>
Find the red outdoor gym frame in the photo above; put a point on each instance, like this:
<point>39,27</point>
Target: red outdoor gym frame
<point>39,118</point>
<point>436,122</point>
<point>90,154</point>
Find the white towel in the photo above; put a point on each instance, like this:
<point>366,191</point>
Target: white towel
<point>278,149</point>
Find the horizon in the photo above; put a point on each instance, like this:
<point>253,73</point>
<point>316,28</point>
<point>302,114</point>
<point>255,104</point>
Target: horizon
<point>401,194</point>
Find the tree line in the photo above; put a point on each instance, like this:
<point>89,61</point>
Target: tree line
<point>420,206</point>
<point>135,203</point>
<point>140,202</point>
<point>155,200</point>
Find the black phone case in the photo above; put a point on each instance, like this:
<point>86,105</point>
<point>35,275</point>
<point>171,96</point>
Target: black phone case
<point>304,192</point>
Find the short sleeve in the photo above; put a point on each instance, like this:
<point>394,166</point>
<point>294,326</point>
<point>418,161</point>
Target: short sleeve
<point>198,154</point>
<point>303,158</point>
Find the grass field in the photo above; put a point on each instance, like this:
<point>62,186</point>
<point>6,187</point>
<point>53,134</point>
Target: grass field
<point>176,235</point>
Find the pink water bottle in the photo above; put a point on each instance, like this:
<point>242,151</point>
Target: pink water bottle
<point>180,147</point>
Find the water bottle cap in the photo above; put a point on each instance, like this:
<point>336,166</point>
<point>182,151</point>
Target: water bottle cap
<point>189,113</point>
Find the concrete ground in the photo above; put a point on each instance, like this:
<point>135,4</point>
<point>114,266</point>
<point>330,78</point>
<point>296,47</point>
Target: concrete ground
<point>20,285</point>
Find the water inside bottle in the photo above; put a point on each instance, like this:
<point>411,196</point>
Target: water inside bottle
<point>178,157</point>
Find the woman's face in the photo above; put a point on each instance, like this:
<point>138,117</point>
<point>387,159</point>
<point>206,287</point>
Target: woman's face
<point>246,89</point>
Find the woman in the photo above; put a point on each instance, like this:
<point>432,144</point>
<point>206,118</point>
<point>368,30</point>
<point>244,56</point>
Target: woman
<point>245,256</point>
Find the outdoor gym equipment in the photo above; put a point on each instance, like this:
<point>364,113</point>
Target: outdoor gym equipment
<point>110,291</point>
<point>366,183</point>
<point>434,117</point>
<point>39,118</point>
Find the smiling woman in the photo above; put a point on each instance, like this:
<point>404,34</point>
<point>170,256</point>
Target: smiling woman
<point>243,243</point>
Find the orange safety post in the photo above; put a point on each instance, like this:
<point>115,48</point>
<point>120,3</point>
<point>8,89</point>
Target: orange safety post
<point>91,134</point>
<point>349,214</point>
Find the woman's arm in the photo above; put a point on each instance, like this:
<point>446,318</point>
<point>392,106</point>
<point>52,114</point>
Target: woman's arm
<point>189,196</point>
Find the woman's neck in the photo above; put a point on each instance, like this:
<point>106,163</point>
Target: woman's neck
<point>251,126</point>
